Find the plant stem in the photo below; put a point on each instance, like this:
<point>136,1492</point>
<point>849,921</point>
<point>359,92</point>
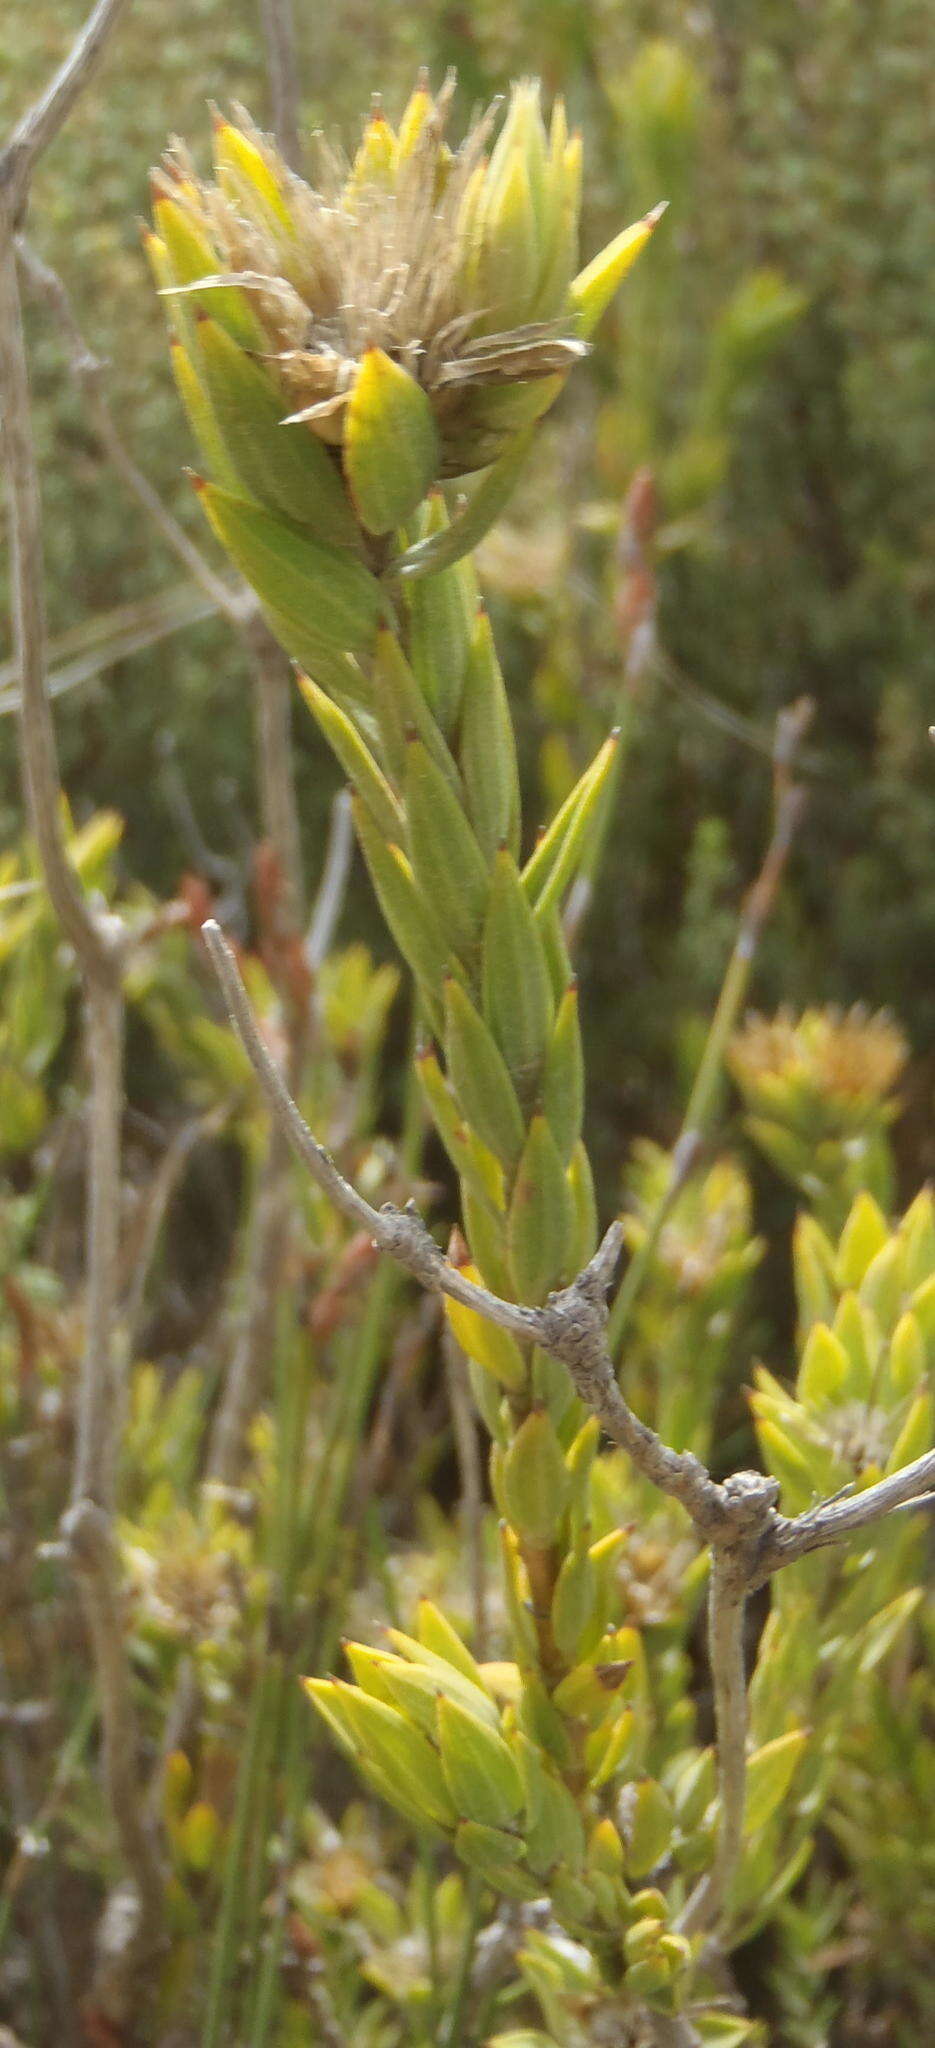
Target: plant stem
<point>454,2036</point>
<point>224,1954</point>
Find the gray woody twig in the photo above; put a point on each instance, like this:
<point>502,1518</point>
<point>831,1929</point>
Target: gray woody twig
<point>278,23</point>
<point>40,125</point>
<point>88,370</point>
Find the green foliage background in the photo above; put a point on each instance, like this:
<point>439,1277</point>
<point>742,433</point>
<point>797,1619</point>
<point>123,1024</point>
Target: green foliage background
<point>795,465</point>
<point>772,363</point>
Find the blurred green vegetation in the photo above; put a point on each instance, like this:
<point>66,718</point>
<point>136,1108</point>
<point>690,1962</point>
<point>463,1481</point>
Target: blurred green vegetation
<point>773,364</point>
<point>772,369</point>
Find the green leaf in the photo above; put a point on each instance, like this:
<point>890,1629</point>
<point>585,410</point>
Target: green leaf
<point>594,287</point>
<point>645,1820</point>
<point>563,1077</point>
<point>491,1348</point>
<point>584,1203</point>
<point>498,1857</point>
<point>446,860</point>
<point>442,548</point>
<point>865,1233</point>
<point>440,626</point>
<point>190,257</point>
<point>356,760</point>
<point>555,860</point>
<point>201,416</point>
<point>535,1481</point>
<point>517,995</point>
<point>770,1772</point>
<point>480,1771</point>
<point>823,1372</point>
<point>415,932</point>
<point>383,1738</point>
<point>540,1221</point>
<point>574,1598</point>
<point>554,1830</point>
<point>287,469</point>
<point>480,1079</point>
<point>294,575</point>
<point>487,749</point>
<point>436,1634</point>
<point>401,709</point>
<point>608,1748</point>
<point>391,453</point>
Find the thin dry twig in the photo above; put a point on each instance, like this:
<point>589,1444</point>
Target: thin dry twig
<point>93,938</point>
<point>88,371</point>
<point>278,23</point>
<point>41,123</point>
<point>100,1389</point>
<point>332,888</point>
<point>273,695</point>
<point>831,1521</point>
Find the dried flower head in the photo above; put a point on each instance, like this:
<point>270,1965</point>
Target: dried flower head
<point>425,287</point>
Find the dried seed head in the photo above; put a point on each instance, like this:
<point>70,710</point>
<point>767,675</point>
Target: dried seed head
<point>456,264</point>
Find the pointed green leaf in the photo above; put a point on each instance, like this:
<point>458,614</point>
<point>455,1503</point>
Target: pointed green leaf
<point>487,748</point>
<point>447,1679</point>
<point>416,935</point>
<point>190,257</point>
<point>557,858</point>
<point>480,1079</point>
<point>915,1437</point>
<point>480,1770</point>
<point>865,1234</point>
<point>402,710</point>
<point>386,1738</point>
<point>594,287</point>
<point>391,453</point>
<point>440,627</point>
<point>563,1077</point>
<point>201,416</point>
<point>287,469</point>
<point>823,1372</point>
<point>770,1771</point>
<point>244,174</point>
<point>493,1349</point>
<point>905,1363</point>
<point>540,1223</point>
<point>355,759</point>
<point>336,672</point>
<point>517,996</point>
<point>645,1820</point>
<point>574,1598</point>
<point>446,860</point>
<point>436,1634</point>
<point>293,574</point>
<point>498,1857</point>
<point>535,1481</point>
<point>448,544</point>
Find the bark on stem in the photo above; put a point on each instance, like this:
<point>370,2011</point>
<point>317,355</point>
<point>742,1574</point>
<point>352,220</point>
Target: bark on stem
<point>101,1388</point>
